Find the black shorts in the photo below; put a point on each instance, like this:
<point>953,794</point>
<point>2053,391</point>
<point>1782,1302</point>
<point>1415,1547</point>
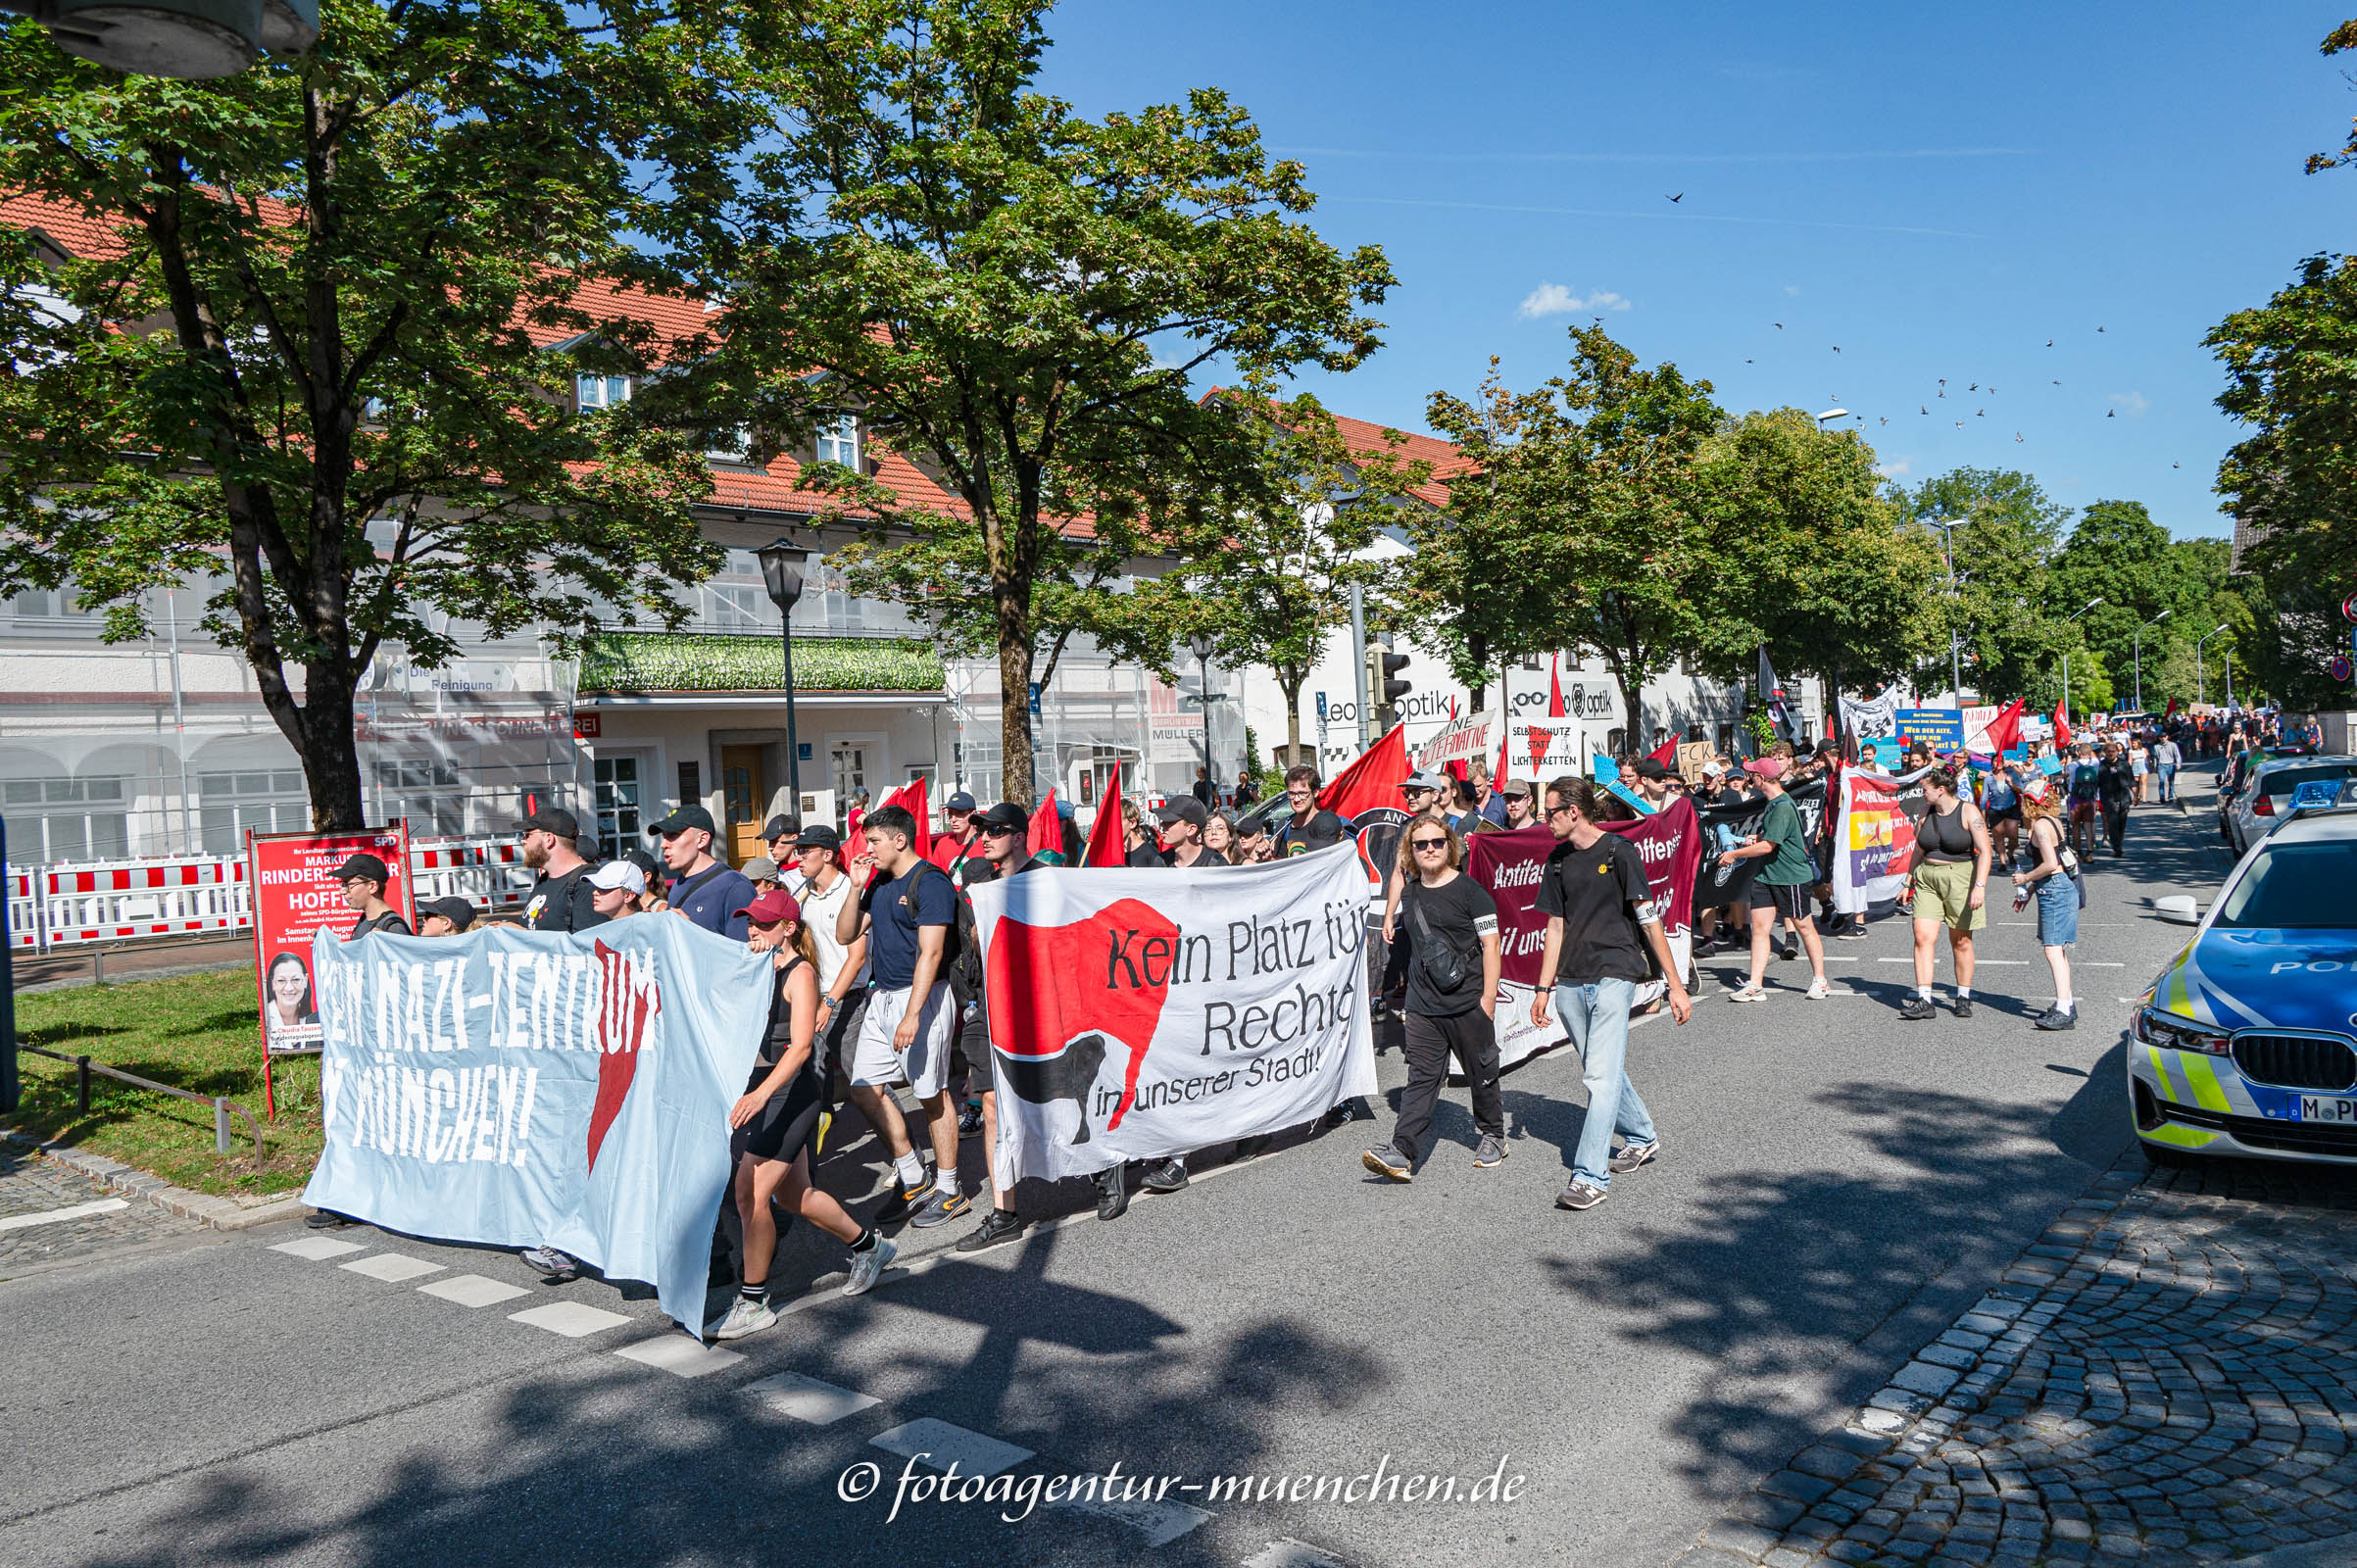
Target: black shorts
<point>1789,903</point>
<point>2003,813</point>
<point>786,1126</point>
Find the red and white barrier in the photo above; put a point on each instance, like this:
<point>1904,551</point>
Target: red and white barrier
<point>488,873</point>
<point>23,909</point>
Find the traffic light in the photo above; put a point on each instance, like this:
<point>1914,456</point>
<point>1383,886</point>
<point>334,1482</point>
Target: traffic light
<point>1383,682</point>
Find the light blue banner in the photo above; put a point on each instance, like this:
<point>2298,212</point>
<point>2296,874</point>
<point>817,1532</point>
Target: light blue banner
<point>1940,728</point>
<point>525,1088</point>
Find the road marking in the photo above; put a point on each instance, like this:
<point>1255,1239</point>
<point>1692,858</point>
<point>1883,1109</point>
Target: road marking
<point>2089,963</point>
<point>1161,1523</point>
<point>472,1290</point>
<point>317,1249</point>
<point>50,1216</point>
<point>575,1320</point>
<point>680,1355</point>
<point>1287,1552</point>
<point>1987,963</point>
<point>393,1267</point>
<point>941,1444</point>
<point>809,1400</point>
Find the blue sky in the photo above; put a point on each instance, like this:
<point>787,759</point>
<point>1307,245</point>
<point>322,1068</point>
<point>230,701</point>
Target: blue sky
<point>1936,192</point>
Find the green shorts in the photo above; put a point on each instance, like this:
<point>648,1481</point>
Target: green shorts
<point>1943,892</point>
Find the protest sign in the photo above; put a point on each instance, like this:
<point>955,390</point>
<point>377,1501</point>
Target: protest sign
<point>1940,728</point>
<point>1871,720</point>
<point>1541,748</point>
<point>1692,755</point>
<point>1731,826</point>
<point>1466,739</point>
<point>526,1088</point>
<point>1139,1014</point>
<point>1509,866</point>
<point>1874,835</point>
<point>1977,720</point>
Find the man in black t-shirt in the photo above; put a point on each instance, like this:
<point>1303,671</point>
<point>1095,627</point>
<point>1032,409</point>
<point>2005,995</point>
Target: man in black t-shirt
<point>1453,972</point>
<point>1600,923</point>
<point>562,899</point>
<point>365,878</point>
<point>1182,823</point>
<point>1308,828</point>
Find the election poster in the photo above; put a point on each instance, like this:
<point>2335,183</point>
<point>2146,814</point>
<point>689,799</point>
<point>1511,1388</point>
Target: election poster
<point>1510,864</point>
<point>1139,1014</point>
<point>528,1088</point>
<point>295,895</point>
<point>1733,826</point>
<point>1874,835</point>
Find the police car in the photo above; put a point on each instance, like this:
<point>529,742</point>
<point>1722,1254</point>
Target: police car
<point>2247,1045</point>
<point>2250,806</point>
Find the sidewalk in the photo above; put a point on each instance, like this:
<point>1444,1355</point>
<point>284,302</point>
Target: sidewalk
<point>2167,1377</point>
<point>146,961</point>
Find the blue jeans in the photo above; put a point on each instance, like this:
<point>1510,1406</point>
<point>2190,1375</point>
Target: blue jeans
<point>2168,781</point>
<point>1597,1017</point>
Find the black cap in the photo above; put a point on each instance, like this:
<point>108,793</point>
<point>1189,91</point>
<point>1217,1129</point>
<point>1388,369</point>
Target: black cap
<point>958,801</point>
<point>1006,814</point>
<point>553,819</point>
<point>682,818</point>
<point>819,836</point>
<point>779,828</point>
<point>458,912</point>
<point>367,865</point>
<point>1647,768</point>
<point>1186,809</point>
<point>647,863</point>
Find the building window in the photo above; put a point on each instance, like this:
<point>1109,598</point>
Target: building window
<point>69,820</point>
<point>731,446</point>
<point>620,827</point>
<point>600,391</point>
<point>839,442</point>
<point>47,603</point>
<point>267,802</point>
<point>736,609</point>
<point>428,791</point>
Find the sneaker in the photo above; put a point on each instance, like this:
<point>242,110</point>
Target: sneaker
<point>1964,1007</point>
<point>1917,1009</point>
<point>328,1219</point>
<point>867,1268</point>
<point>941,1208</point>
<point>555,1267</point>
<point>1579,1194</point>
<point>1747,993</point>
<point>905,1201</point>
<point>999,1225</point>
<point>1388,1163</point>
<point>2056,1018</point>
<point>1112,1192</point>
<point>1856,931</point>
<point>1491,1151</point>
<point>1632,1156</point>
<point>1788,951</point>
<point>969,1121</point>
<point>1164,1176</point>
<point>1818,991</point>
<point>743,1317</point>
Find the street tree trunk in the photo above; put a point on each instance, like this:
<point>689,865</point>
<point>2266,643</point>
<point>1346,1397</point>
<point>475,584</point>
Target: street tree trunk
<point>1291,681</point>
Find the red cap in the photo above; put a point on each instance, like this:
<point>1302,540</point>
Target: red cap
<point>772,906</point>
<point>1766,766</point>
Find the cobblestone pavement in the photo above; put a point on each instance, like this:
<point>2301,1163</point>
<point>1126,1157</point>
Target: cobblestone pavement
<point>33,1185</point>
<point>2167,1377</point>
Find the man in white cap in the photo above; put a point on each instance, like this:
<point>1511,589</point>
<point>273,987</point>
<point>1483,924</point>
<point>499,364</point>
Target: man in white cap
<point>614,887</point>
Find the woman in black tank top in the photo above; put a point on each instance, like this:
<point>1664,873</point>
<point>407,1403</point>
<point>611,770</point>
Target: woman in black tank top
<point>1949,875</point>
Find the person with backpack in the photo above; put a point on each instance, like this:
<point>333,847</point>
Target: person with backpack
<point>1003,832</point>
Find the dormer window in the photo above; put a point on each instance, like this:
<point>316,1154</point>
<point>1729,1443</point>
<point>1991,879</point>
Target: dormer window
<point>839,442</point>
<point>600,391</point>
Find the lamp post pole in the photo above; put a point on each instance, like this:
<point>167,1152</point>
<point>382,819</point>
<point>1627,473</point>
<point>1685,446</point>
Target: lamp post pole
<point>2139,647</point>
<point>1201,647</point>
<point>1955,656</point>
<point>2066,658</point>
<point>2201,687</point>
<point>781,575</point>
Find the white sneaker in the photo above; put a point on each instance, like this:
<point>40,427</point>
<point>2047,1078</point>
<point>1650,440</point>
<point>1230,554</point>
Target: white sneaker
<point>743,1317</point>
<point>1818,991</point>
<point>1748,994</point>
<point>868,1266</point>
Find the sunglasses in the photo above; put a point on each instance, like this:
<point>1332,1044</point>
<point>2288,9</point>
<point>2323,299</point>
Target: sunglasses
<point>998,831</point>
<point>1428,844</point>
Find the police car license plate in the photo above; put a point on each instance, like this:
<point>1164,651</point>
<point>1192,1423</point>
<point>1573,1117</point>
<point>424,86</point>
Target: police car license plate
<point>2314,1107</point>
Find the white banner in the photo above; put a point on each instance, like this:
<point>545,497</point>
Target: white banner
<point>1460,740</point>
<point>1541,748</point>
<point>1140,1014</point>
<point>1870,719</point>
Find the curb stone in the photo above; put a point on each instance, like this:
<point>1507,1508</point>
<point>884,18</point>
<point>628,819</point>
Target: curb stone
<point>221,1214</point>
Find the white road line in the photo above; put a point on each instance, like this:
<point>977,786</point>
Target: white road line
<point>575,1320</point>
<point>1161,1523</point>
<point>680,1355</point>
<point>940,1445</point>
<point>472,1290</point>
<point>50,1216</point>
<point>393,1268</point>
<point>1987,963</point>
<point>2089,963</point>
<point>317,1249</point>
<point>809,1400</point>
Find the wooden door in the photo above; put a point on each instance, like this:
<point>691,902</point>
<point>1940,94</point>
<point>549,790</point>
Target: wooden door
<point>744,791</point>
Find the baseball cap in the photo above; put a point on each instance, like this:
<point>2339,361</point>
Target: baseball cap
<point>458,912</point>
<point>1766,766</point>
<point>553,819</point>
<point>759,868</point>
<point>681,820</point>
<point>773,906</point>
<point>1647,768</point>
<point>1713,769</point>
<point>780,826</point>
<point>1006,816</point>
<point>363,865</point>
<point>1422,780</point>
<point>1186,809</point>
<point>819,836</point>
<point>619,874</point>
<point>960,801</point>
<point>1515,786</point>
<point>648,867</point>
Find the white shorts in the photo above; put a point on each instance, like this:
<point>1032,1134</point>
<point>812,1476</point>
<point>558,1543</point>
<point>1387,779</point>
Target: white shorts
<point>925,1066</point>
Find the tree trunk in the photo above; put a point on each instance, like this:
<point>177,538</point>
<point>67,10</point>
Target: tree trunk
<point>331,753</point>
<point>1014,704</point>
<point>1291,681</point>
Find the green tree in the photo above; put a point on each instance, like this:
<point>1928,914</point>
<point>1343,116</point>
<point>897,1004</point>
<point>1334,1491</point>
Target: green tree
<point>2004,534</point>
<point>2118,553</point>
<point>1578,525</point>
<point>306,357</point>
<point>1017,296</point>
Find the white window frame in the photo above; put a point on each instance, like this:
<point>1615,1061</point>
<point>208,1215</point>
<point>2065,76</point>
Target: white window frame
<point>596,391</point>
<point>840,442</point>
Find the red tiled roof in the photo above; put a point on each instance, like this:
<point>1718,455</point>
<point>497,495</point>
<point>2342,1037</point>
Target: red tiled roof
<point>1447,459</point>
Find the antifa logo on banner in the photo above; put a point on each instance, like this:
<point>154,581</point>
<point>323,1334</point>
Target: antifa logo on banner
<point>1379,831</point>
<point>1729,827</point>
<point>1039,1058</point>
<point>628,999</point>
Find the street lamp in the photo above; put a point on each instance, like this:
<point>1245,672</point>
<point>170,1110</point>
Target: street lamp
<point>781,572</point>
<point>1200,647</point>
<point>1831,413</point>
<point>1955,659</point>
<point>2201,690</point>
<point>2139,646</point>
<point>2066,658</point>
<point>195,40</point>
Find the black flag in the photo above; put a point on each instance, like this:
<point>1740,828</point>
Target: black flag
<point>1771,693</point>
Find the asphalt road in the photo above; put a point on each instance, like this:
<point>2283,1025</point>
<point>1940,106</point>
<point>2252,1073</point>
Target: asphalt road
<point>1836,1184</point>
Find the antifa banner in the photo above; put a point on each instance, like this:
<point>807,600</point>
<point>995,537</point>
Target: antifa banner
<point>1873,834</point>
<point>523,1088</point>
<point>1509,865</point>
<point>1870,719</point>
<point>1138,1014</point>
<point>1730,826</point>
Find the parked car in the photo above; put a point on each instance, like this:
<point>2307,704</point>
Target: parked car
<point>2266,791</point>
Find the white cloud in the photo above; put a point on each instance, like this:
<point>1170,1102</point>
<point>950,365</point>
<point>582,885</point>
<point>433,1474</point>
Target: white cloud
<point>1553,299</point>
<point>1791,288</point>
<point>2133,402</point>
<point>1898,469</point>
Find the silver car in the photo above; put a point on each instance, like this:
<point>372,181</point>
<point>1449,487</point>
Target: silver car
<point>2267,794</point>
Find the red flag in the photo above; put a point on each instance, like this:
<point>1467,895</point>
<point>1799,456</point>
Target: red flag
<point>910,797</point>
<point>1106,847</point>
<point>2062,726</point>
<point>1667,754</point>
<point>2172,712</point>
<point>1046,834</point>
<point>2005,730</point>
<point>1371,781</point>
<point>1498,773</point>
<point>1554,687</point>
